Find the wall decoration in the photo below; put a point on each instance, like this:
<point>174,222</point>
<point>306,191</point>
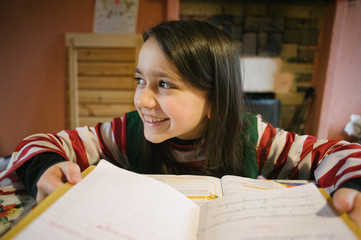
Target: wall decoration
<point>115,16</point>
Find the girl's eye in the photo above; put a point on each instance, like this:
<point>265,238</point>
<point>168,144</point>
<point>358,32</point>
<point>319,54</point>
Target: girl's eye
<point>166,85</point>
<point>139,80</point>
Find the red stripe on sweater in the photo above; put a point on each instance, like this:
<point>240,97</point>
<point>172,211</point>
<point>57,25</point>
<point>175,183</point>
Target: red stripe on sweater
<point>336,149</point>
<point>124,134</point>
<point>282,158</point>
<point>22,143</point>
<point>51,140</point>
<point>306,149</point>
<point>184,148</point>
<point>314,164</point>
<point>103,146</point>
<point>345,147</point>
<point>349,170</point>
<point>307,146</point>
<point>321,150</point>
<point>331,177</point>
<point>79,150</point>
<point>117,132</point>
<point>19,162</point>
<point>56,140</point>
<point>43,149</point>
<point>265,146</point>
<point>21,159</point>
<point>28,148</point>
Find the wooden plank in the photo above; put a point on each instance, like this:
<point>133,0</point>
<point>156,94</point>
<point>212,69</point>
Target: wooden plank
<point>100,62</point>
<point>72,106</point>
<point>103,40</point>
<point>92,121</point>
<point>106,96</point>
<point>104,110</point>
<point>107,54</point>
<point>105,69</point>
<point>106,83</point>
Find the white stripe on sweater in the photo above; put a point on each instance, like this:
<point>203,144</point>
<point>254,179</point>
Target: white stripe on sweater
<point>275,151</point>
<point>293,157</point>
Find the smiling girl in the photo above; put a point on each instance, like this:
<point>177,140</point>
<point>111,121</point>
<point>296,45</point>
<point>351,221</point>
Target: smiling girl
<point>190,119</point>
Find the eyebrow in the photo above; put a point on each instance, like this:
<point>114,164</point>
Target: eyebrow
<point>158,74</point>
<point>137,71</point>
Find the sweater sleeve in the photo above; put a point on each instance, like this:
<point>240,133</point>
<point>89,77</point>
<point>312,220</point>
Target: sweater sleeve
<point>30,172</point>
<point>282,154</point>
<point>354,183</point>
<point>84,146</point>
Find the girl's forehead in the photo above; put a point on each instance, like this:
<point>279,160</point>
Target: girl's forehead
<point>150,51</point>
<point>150,44</point>
<point>153,60</point>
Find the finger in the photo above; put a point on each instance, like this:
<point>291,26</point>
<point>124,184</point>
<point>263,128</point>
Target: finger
<point>46,189</point>
<point>349,200</point>
<point>40,196</point>
<point>55,176</point>
<point>342,199</point>
<point>71,172</point>
<point>355,213</point>
<point>48,182</point>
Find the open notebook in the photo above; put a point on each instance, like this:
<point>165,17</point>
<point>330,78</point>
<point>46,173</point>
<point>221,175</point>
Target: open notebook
<point>112,203</point>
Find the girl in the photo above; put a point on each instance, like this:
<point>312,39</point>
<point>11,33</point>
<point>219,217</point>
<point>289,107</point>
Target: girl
<point>190,119</point>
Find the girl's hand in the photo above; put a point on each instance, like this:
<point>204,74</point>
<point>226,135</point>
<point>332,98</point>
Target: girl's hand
<point>349,200</point>
<point>55,176</point>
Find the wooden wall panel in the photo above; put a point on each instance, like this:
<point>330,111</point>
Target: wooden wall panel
<point>106,82</point>
<point>105,96</point>
<point>105,69</point>
<point>99,82</point>
<point>101,76</point>
<point>108,54</point>
<point>103,110</point>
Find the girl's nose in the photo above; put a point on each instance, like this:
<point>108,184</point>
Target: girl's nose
<point>145,98</point>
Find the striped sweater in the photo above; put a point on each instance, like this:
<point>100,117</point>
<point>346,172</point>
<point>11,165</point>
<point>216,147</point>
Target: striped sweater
<point>280,154</point>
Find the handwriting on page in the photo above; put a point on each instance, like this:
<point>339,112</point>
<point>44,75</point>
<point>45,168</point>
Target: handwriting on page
<point>233,185</point>
<point>200,189</point>
<point>297,213</point>
<point>111,203</point>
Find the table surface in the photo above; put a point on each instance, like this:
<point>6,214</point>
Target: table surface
<point>15,202</point>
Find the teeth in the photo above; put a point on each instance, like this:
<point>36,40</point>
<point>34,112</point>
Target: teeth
<point>150,119</point>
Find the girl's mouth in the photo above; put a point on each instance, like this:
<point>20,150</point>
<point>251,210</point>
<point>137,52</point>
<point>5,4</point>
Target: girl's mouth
<point>153,120</point>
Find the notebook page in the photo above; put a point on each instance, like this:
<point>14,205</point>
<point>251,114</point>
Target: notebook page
<point>235,184</point>
<point>200,189</point>
<point>112,203</point>
<point>293,213</point>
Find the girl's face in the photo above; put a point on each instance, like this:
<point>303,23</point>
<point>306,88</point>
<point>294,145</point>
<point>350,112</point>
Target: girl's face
<point>168,105</point>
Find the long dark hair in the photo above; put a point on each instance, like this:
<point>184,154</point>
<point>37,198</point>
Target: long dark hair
<point>208,59</point>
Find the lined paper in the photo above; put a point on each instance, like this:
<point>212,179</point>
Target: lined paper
<point>111,203</point>
<point>294,213</point>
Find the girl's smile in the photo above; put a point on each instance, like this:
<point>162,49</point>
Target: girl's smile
<point>154,121</point>
<point>168,105</point>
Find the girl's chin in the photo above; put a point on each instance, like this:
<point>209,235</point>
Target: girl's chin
<point>154,139</point>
